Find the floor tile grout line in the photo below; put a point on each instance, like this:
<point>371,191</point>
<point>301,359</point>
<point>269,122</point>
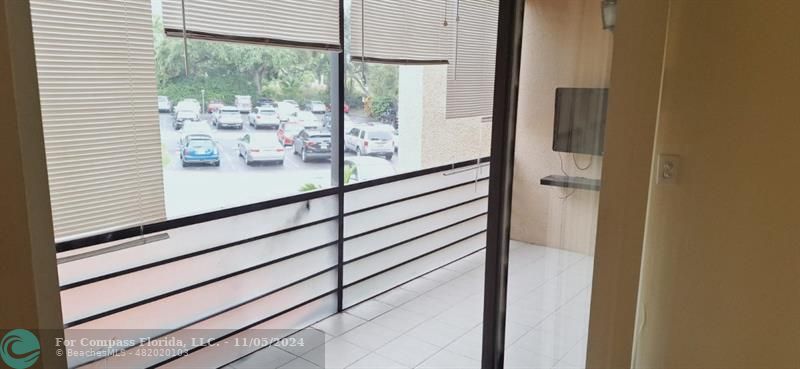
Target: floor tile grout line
<point>450,304</point>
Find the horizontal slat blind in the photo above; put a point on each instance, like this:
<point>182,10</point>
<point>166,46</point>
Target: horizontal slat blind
<point>470,83</point>
<point>399,31</point>
<point>305,23</point>
<point>98,97</point>
<point>461,33</point>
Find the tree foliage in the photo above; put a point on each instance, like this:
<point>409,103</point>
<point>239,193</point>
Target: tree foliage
<point>224,70</point>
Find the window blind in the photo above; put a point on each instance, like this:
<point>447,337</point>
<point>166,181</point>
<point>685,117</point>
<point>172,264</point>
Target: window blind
<point>300,23</point>
<point>461,33</point>
<point>399,31</point>
<point>97,88</point>
<point>470,82</point>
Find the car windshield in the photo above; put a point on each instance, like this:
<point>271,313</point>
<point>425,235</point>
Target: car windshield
<point>267,112</point>
<point>231,112</point>
<point>185,114</point>
<point>380,135</point>
<point>201,144</point>
<point>163,99</point>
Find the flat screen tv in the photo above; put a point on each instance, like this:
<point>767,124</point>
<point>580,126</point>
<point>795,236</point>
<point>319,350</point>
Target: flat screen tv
<point>580,120</point>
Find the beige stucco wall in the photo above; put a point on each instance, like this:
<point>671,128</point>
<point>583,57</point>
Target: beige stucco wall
<point>564,45</point>
<point>427,137</point>
<point>720,284</point>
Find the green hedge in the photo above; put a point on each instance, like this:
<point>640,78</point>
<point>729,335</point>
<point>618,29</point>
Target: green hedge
<point>217,88</point>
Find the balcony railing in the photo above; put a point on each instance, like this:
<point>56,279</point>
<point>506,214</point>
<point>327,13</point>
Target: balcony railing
<point>281,264</point>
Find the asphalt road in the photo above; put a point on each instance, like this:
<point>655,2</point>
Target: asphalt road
<point>198,189</point>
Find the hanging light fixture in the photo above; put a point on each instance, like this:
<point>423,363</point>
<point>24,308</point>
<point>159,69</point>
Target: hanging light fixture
<point>609,13</point>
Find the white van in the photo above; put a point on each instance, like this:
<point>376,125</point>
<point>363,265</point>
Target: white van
<point>243,103</point>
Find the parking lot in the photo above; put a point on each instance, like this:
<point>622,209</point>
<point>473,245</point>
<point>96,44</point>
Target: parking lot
<point>195,189</point>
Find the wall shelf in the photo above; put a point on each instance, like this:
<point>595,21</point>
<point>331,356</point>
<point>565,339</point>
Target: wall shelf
<point>580,183</point>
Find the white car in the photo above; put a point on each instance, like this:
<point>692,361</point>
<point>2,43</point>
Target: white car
<point>183,116</point>
<point>264,116</point>
<point>261,147</point>
<point>188,105</point>
<point>370,139</point>
<point>365,168</point>
<point>317,107</point>
<point>308,120</point>
<point>287,111</point>
<point>229,116</point>
<point>195,129</point>
<point>164,105</point>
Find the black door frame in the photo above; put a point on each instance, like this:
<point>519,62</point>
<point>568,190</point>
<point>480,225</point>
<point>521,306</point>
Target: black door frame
<point>504,117</point>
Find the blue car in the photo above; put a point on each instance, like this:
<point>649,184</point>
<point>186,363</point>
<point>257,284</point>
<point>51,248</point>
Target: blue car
<point>199,151</point>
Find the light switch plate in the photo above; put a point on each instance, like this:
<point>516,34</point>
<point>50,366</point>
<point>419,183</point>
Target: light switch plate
<point>668,169</point>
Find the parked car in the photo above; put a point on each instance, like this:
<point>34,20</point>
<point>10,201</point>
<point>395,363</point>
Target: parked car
<point>196,126</point>
<point>183,116</point>
<point>312,144</point>
<point>287,111</point>
<point>244,103</point>
<point>265,101</point>
<point>199,150</point>
<point>317,107</point>
<point>188,105</point>
<point>292,102</point>
<point>261,147</point>
<point>308,120</point>
<point>229,116</point>
<point>214,106</point>
<point>194,136</point>
<point>164,105</point>
<point>370,139</point>
<point>287,132</point>
<point>264,116</point>
<point>195,129</point>
<point>365,168</point>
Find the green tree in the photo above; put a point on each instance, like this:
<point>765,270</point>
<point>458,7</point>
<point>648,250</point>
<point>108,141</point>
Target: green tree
<point>226,69</point>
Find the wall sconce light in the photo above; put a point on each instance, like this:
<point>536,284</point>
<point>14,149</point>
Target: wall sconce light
<point>609,12</point>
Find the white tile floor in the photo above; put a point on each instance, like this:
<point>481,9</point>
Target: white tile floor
<point>435,321</point>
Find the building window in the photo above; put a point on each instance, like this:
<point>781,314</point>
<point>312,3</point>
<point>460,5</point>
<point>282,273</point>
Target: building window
<point>158,110</point>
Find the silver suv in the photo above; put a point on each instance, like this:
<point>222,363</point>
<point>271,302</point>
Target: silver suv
<point>371,139</point>
<point>228,116</point>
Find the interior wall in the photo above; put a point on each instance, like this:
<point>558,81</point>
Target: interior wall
<point>720,283</point>
<point>564,45</point>
<point>28,269</point>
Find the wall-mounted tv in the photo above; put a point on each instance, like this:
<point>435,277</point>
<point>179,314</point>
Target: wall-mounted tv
<point>580,120</point>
